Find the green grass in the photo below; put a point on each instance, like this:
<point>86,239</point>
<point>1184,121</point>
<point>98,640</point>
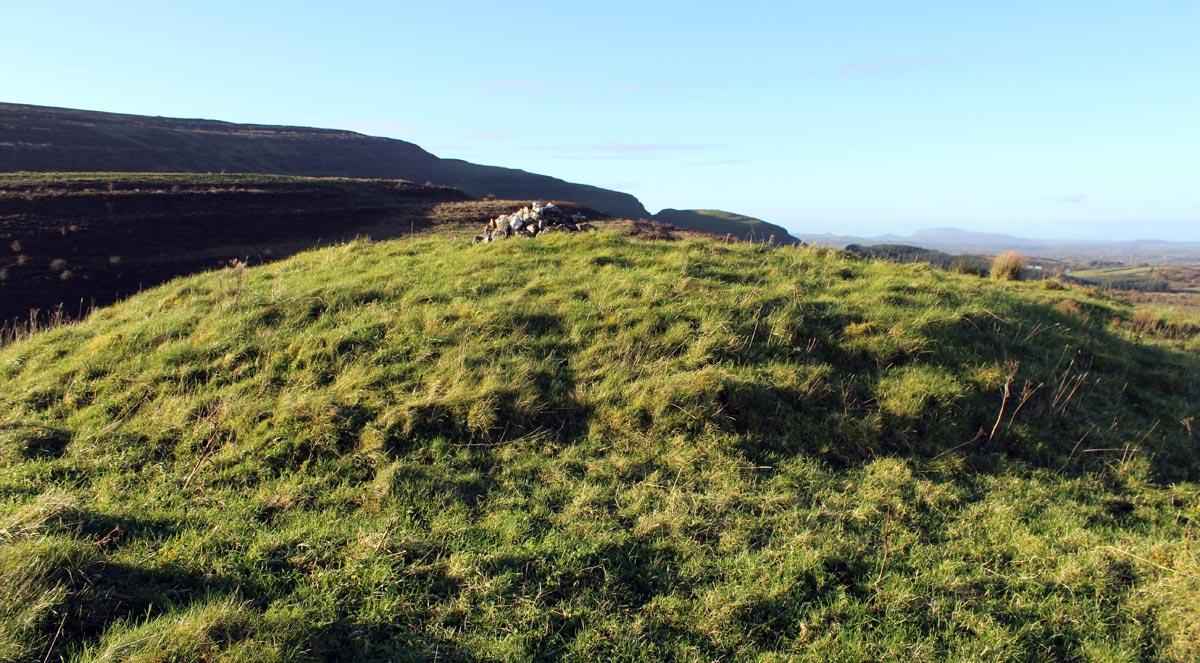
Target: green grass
<point>1143,278</point>
<point>590,448</point>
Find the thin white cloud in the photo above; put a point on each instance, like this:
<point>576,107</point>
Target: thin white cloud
<point>624,150</point>
<point>519,85</point>
<point>893,66</point>
<point>620,150</point>
<point>490,136</point>
<point>536,87</point>
<point>384,127</point>
<point>648,148</point>
<point>606,157</point>
<point>623,186</point>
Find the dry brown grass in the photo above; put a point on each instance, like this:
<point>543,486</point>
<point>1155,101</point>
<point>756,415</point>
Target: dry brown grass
<point>1008,266</point>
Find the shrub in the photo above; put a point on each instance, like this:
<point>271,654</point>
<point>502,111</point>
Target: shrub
<point>1008,266</point>
<point>1069,307</point>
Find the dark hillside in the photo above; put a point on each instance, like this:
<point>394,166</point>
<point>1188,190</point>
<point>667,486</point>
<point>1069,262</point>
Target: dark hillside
<point>88,239</point>
<point>43,139</point>
<point>79,240</point>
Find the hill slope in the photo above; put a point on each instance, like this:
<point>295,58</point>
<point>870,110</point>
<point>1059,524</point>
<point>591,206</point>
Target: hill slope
<point>44,139</point>
<point>591,448</point>
<point>721,223</point>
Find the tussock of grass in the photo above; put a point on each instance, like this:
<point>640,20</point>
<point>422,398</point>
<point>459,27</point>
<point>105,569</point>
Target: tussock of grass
<point>590,448</point>
<point>215,630</point>
<point>1008,266</point>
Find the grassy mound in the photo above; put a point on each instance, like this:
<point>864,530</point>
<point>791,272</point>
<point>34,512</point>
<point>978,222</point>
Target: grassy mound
<point>594,448</point>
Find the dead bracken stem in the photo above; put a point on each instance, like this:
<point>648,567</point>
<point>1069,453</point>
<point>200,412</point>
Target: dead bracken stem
<point>883,563</point>
<point>15,329</point>
<point>757,319</point>
<point>50,649</point>
<point>978,436</point>
<point>386,533</point>
<point>1130,452</point>
<point>1026,394</point>
<point>1076,448</point>
<point>1151,563</point>
<point>1008,380</point>
<point>209,447</point>
<point>1065,389</point>
<point>239,269</point>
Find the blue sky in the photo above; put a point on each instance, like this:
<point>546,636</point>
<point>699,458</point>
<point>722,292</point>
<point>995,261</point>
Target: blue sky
<point>1042,119</point>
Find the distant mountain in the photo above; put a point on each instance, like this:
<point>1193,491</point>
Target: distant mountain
<point>718,222</point>
<point>956,241</point>
<point>44,139</point>
<point>965,239</point>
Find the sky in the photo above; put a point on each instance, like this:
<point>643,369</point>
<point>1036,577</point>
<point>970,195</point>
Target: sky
<point>1040,119</point>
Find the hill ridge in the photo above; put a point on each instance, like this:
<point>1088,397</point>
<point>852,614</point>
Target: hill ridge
<point>48,139</point>
<point>721,222</point>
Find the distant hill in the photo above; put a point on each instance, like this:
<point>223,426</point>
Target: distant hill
<point>44,139</point>
<point>955,241</point>
<point>904,253</point>
<point>718,222</point>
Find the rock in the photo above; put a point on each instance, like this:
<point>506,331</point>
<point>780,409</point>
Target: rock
<point>531,221</point>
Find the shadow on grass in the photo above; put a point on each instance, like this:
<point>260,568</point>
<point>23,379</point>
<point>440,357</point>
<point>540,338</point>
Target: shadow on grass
<point>1066,393</point>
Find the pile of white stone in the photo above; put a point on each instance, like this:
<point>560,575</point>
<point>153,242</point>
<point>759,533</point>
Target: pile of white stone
<point>532,221</point>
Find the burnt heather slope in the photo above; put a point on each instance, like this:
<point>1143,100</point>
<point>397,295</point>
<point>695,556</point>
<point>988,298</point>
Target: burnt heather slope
<point>45,139</point>
<point>70,242</point>
<point>87,240</point>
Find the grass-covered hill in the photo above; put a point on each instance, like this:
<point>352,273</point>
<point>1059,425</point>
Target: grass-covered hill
<point>1144,278</point>
<point>587,447</point>
<point>720,223</point>
<point>78,240</point>
<point>45,139</point>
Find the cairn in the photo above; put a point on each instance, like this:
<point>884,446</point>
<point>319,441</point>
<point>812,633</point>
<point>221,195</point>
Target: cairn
<point>532,221</point>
